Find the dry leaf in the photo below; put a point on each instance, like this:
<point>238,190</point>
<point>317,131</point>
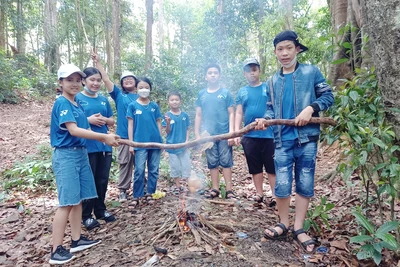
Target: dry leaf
<point>340,244</point>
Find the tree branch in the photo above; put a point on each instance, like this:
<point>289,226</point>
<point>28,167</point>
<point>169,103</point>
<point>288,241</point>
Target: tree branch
<point>241,132</point>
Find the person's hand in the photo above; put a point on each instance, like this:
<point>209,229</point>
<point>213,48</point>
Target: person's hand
<point>97,120</point>
<point>95,57</point>
<point>231,141</point>
<point>304,117</point>
<point>167,118</point>
<point>112,139</point>
<point>131,150</point>
<point>237,141</point>
<point>261,124</point>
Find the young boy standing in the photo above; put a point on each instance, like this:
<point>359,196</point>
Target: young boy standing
<point>258,146</point>
<point>177,128</point>
<point>299,92</point>
<point>215,114</point>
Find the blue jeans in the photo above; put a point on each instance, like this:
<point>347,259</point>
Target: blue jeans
<point>152,156</point>
<point>219,155</point>
<point>300,156</point>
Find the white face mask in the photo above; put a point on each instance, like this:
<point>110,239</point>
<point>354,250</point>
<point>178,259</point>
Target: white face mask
<point>290,64</point>
<point>144,93</point>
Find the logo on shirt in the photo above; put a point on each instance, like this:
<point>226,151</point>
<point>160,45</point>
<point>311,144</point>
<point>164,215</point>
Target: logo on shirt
<point>83,103</point>
<point>103,103</point>
<point>138,112</point>
<point>64,112</point>
<point>76,115</point>
<point>172,122</point>
<point>221,96</point>
<point>184,118</point>
<point>153,109</point>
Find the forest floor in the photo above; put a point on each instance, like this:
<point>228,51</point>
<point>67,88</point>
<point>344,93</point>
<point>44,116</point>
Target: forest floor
<point>223,234</point>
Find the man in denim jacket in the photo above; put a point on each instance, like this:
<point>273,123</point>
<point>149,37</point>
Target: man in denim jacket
<point>297,91</point>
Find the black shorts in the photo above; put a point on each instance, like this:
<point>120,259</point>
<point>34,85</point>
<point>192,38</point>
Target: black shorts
<point>259,153</point>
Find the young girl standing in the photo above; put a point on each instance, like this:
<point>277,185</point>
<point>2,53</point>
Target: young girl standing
<point>144,125</point>
<point>122,99</point>
<point>100,117</point>
<point>69,129</point>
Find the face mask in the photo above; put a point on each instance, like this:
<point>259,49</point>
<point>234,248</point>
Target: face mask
<point>290,64</point>
<point>90,92</point>
<point>144,93</point>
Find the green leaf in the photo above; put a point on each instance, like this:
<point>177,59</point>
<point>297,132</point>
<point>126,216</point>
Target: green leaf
<point>361,239</point>
<point>340,61</point>
<point>363,158</point>
<point>364,222</point>
<point>347,45</point>
<point>377,256</point>
<point>115,204</point>
<point>379,166</point>
<point>378,142</point>
<point>390,240</point>
<point>354,95</point>
<point>329,206</point>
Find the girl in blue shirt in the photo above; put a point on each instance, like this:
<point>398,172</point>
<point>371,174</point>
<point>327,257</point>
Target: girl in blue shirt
<point>69,129</point>
<point>144,125</point>
<point>100,116</point>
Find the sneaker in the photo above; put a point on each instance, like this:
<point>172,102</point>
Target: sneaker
<point>108,217</point>
<point>83,243</point>
<point>90,223</point>
<point>122,196</point>
<point>61,256</point>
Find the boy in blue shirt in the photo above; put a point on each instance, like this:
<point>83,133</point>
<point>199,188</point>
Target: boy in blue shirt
<point>215,114</point>
<point>177,128</point>
<point>298,91</point>
<point>258,146</point>
<point>122,99</point>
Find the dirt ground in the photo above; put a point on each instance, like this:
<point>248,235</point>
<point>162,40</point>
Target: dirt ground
<point>225,234</point>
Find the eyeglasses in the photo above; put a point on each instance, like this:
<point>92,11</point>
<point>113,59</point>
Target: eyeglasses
<point>128,79</point>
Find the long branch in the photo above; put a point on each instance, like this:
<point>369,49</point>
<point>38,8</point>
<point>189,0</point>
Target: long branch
<point>241,132</point>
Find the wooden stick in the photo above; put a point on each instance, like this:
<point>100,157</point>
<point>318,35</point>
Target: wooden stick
<point>241,132</point>
<point>220,202</point>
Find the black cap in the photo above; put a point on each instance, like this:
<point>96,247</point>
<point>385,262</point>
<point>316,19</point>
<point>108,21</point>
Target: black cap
<point>289,36</point>
<point>250,61</point>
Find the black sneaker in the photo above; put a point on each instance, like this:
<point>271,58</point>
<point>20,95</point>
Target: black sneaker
<point>60,256</point>
<point>90,223</point>
<point>83,243</point>
<point>108,217</point>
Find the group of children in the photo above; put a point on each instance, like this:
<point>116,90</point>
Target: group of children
<point>81,166</point>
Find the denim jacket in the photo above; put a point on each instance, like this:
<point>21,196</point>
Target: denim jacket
<point>309,89</point>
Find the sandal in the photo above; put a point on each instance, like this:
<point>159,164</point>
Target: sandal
<point>213,193</point>
<point>148,198</point>
<point>305,244</point>
<point>230,195</point>
<point>134,203</point>
<point>257,198</point>
<point>276,235</point>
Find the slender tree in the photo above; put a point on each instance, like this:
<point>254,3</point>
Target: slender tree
<point>116,15</point>
<point>51,57</point>
<point>20,28</point>
<point>3,23</point>
<point>149,34</point>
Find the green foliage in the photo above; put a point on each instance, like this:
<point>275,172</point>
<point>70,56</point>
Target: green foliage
<point>35,172</point>
<point>374,241</point>
<point>317,214</point>
<point>23,74</point>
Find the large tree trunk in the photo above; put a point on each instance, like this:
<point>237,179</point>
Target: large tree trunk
<point>3,23</point>
<point>286,7</point>
<point>116,37</point>
<point>20,27</point>
<point>51,57</point>
<point>382,20</point>
<point>149,34</point>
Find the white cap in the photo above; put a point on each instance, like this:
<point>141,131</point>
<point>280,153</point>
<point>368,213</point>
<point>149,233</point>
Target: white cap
<point>65,70</point>
<point>127,73</point>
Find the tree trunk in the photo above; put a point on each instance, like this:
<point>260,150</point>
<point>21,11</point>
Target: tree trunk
<point>3,17</point>
<point>149,34</point>
<point>20,28</point>
<point>286,7</point>
<point>261,39</point>
<point>161,23</point>
<point>382,21</point>
<point>116,37</point>
<point>107,34</point>
<point>51,57</point>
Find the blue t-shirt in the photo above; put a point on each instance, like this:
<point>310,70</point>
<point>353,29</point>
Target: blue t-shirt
<point>254,104</point>
<point>179,125</point>
<point>214,110</point>
<point>94,105</point>
<point>288,132</point>
<point>145,118</point>
<point>64,111</point>
<point>122,101</point>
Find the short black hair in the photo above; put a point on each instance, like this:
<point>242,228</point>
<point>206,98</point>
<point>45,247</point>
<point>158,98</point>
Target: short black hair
<point>213,65</point>
<point>144,79</point>
<point>174,93</point>
<point>91,71</point>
